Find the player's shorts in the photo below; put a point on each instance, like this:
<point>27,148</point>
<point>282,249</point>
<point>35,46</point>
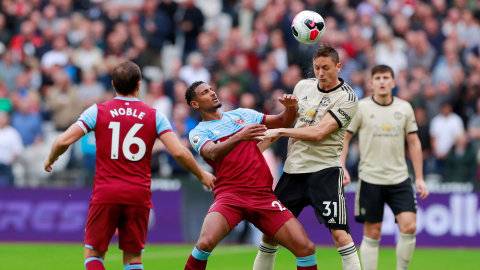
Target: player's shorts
<point>323,190</point>
<point>370,200</point>
<point>261,209</point>
<point>104,219</point>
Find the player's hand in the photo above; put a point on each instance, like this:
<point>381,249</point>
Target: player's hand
<point>421,188</point>
<point>288,100</point>
<point>272,135</point>
<point>251,132</point>
<point>208,179</point>
<point>346,177</point>
<point>47,165</point>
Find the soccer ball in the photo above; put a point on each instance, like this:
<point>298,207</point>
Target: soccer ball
<point>308,26</point>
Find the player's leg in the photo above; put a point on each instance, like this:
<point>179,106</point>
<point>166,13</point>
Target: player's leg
<point>292,236</point>
<point>273,219</point>
<point>325,191</point>
<point>369,205</point>
<point>290,191</point>
<point>100,227</point>
<point>401,199</point>
<point>132,234</point>
<point>222,217</point>
<point>370,246</point>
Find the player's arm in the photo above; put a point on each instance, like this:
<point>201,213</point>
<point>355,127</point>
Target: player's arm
<point>327,125</point>
<point>61,144</point>
<point>287,117</point>
<point>183,156</point>
<point>415,151</point>
<point>217,151</point>
<point>343,157</point>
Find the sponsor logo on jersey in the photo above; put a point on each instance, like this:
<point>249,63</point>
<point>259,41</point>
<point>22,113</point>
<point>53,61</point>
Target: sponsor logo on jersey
<point>344,114</point>
<point>332,220</point>
<point>325,101</point>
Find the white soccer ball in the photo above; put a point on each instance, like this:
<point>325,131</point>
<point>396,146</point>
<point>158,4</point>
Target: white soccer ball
<point>308,26</point>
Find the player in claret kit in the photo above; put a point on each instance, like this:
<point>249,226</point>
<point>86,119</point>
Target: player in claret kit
<point>243,188</point>
<point>125,131</point>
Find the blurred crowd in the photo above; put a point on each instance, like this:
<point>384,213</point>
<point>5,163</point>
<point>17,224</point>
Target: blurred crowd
<point>55,59</point>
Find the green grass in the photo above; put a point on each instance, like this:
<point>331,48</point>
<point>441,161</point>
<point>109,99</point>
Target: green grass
<point>172,257</point>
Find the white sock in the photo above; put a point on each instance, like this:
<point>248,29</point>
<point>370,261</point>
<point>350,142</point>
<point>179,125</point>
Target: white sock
<point>265,257</point>
<point>405,248</point>
<point>349,255</point>
<point>369,253</point>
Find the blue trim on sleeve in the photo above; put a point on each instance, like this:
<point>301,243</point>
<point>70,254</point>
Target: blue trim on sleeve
<point>133,267</point>
<point>162,123</point>
<point>89,116</point>
<point>253,117</point>
<point>307,261</point>
<point>200,254</point>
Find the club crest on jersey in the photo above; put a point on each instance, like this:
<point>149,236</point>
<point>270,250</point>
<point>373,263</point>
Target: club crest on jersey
<point>397,115</point>
<point>325,101</point>
<point>240,121</point>
<point>195,139</point>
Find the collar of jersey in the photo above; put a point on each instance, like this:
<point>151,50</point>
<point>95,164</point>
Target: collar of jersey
<point>126,98</point>
<point>330,90</point>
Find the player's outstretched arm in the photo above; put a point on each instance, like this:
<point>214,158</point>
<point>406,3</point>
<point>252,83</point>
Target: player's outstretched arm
<point>181,154</point>
<point>343,157</point>
<point>61,144</point>
<point>216,151</point>
<point>287,117</point>
<point>327,125</point>
<point>415,151</point>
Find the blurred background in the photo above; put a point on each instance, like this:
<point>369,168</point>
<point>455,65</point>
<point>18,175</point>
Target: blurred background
<point>56,56</point>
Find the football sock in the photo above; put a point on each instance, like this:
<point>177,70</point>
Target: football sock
<point>94,263</point>
<point>405,248</point>
<point>265,259</point>
<point>369,253</point>
<point>349,255</point>
<point>197,260</point>
<point>307,263</point>
<point>133,266</point>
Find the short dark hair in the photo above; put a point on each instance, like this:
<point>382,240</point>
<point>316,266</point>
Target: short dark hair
<point>327,51</point>
<point>125,77</point>
<point>382,69</point>
<point>190,93</point>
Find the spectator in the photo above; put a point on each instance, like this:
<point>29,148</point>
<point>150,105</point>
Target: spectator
<point>63,101</point>
<point>190,22</point>
<point>445,130</point>
<point>11,147</point>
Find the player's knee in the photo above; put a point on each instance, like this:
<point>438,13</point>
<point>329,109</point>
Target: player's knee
<point>206,243</point>
<point>409,228</point>
<point>304,248</point>
<point>373,231</point>
<point>341,237</point>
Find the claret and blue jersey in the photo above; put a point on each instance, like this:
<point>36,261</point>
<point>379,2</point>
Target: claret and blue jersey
<point>243,168</point>
<point>125,131</point>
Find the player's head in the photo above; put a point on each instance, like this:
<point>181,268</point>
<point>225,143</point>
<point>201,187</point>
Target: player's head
<point>382,80</point>
<point>326,65</point>
<point>200,96</point>
<point>126,78</point>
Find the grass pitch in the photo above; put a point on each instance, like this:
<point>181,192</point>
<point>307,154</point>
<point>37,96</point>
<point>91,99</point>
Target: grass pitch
<point>172,257</point>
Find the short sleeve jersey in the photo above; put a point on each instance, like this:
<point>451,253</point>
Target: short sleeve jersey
<point>314,103</point>
<point>244,167</point>
<point>125,131</point>
<point>382,130</point>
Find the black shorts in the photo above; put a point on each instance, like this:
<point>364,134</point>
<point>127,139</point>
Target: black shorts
<point>370,200</point>
<point>322,190</point>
